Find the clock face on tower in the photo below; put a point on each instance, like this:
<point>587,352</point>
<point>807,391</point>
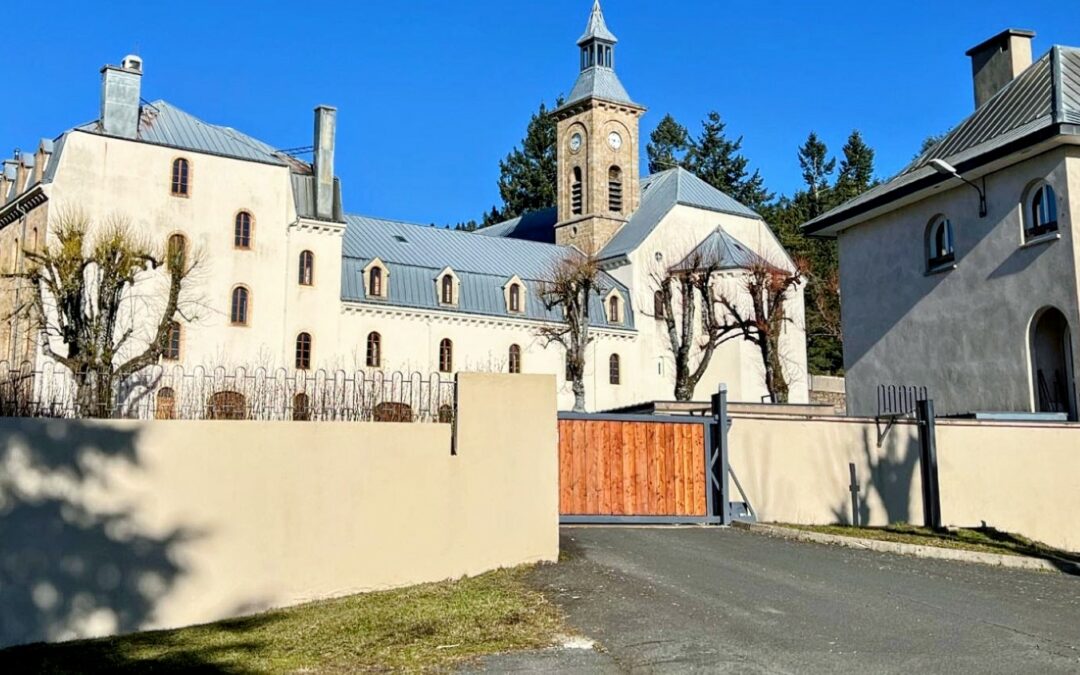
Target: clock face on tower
<point>575,142</point>
<point>614,140</point>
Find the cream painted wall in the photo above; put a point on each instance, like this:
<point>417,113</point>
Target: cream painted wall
<point>737,363</point>
<point>147,529</point>
<point>1020,478</point>
<point>962,333</point>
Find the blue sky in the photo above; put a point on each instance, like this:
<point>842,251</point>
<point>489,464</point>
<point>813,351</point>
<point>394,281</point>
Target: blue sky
<point>431,94</point>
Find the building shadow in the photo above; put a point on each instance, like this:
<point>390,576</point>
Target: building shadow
<point>68,568</point>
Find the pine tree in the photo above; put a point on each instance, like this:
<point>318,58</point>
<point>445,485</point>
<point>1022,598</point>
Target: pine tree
<point>668,145</point>
<point>528,175</point>
<point>716,159</point>
<point>816,169</point>
<point>856,169</point>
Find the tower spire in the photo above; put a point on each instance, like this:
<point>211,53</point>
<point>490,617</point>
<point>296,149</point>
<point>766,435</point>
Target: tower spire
<point>597,28</point>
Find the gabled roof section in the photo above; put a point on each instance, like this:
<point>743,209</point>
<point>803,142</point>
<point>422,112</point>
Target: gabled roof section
<point>660,193</point>
<point>721,251</point>
<point>531,226</point>
<point>599,82</point>
<point>414,254</point>
<point>596,28</point>
<point>162,123</point>
<point>1024,111</point>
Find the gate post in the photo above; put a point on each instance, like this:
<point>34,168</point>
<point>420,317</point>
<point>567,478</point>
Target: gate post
<point>924,414</point>
<point>718,466</point>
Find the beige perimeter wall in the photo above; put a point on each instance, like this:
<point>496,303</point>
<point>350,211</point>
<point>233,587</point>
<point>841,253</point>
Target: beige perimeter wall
<point>109,527</point>
<point>1018,478</point>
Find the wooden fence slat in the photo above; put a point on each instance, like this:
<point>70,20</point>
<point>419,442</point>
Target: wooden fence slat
<point>613,440</point>
<point>580,468</point>
<point>674,471</point>
<point>565,448</point>
<point>641,449</point>
<point>699,478</point>
<point>679,483</point>
<point>604,452</point>
<point>629,472</point>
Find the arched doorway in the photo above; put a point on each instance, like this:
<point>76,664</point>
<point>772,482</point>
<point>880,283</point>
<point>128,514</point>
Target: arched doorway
<point>1051,363</point>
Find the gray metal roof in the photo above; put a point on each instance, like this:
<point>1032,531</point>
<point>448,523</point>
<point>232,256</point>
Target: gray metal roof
<point>162,123</point>
<point>599,82</point>
<point>596,28</point>
<point>416,254</point>
<point>721,251</point>
<point>1045,95</point>
<point>660,193</point>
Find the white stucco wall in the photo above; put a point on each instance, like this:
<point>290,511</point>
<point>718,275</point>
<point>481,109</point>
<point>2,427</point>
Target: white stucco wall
<point>963,333</point>
<point>736,363</point>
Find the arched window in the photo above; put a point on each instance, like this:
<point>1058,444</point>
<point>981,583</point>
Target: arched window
<point>374,350</point>
<point>515,297</point>
<point>375,282</point>
<point>614,189</point>
<point>446,414</point>
<point>238,313</point>
<point>15,256</point>
<point>1040,212</point>
<point>390,411</point>
<point>34,240</point>
<point>181,174</point>
<point>172,342</point>
<point>301,407</point>
<point>1051,363</point>
<point>447,286</point>
<point>577,206</point>
<point>446,356</point>
<point>242,230</point>
<point>307,268</point>
<point>303,351</point>
<point>940,250</point>
<point>658,305</point>
<point>226,405</point>
<point>176,250</point>
<point>515,359</point>
<point>165,404</point>
<point>613,309</point>
<point>614,375</point>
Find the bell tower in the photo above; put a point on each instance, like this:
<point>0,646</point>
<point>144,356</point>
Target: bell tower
<point>598,146</point>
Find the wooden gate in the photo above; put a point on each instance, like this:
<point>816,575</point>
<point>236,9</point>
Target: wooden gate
<point>635,468</point>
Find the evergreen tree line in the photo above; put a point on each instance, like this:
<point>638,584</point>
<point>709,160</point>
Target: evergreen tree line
<point>528,181</point>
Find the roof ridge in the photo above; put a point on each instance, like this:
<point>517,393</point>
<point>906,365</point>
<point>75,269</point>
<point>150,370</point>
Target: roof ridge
<point>462,233</point>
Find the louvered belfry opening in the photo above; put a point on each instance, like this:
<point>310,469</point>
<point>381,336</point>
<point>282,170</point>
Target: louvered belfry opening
<point>576,193</point>
<point>615,189</point>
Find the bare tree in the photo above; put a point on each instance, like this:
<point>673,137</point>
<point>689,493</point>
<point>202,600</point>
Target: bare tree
<point>826,297</point>
<point>681,289</point>
<point>571,283</point>
<point>82,292</point>
<point>768,288</point>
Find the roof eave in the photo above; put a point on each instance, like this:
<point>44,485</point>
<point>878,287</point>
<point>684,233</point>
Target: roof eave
<point>833,222</point>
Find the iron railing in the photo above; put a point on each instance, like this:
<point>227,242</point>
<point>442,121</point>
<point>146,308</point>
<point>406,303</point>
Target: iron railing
<point>178,393</point>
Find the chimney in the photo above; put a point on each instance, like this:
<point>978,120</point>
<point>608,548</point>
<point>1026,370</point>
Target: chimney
<point>20,172</point>
<point>7,178</point>
<point>120,93</point>
<point>995,62</point>
<point>41,159</point>
<point>325,129</point>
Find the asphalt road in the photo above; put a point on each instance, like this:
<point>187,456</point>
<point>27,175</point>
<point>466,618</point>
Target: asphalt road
<point>707,599</point>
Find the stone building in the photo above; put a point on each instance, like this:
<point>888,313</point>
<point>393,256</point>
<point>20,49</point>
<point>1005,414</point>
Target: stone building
<point>960,274</point>
<point>290,279</point>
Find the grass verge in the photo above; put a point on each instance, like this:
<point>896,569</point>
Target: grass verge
<point>431,626</point>
<point>981,539</point>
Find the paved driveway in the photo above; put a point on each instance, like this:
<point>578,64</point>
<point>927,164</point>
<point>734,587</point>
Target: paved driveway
<point>726,600</point>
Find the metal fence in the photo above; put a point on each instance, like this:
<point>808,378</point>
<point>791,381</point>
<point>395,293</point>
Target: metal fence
<point>177,393</point>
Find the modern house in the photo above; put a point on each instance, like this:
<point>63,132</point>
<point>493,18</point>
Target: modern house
<point>960,274</point>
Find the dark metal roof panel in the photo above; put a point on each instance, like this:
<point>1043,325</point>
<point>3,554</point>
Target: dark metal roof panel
<point>415,255</point>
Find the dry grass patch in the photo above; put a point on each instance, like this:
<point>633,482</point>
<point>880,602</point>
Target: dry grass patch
<point>431,626</point>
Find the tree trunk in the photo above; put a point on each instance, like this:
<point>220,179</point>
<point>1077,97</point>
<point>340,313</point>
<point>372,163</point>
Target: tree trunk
<point>579,394</point>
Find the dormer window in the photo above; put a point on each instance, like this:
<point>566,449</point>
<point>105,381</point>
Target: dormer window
<point>613,305</point>
<point>1040,211</point>
<point>376,280</point>
<point>447,290</point>
<point>447,287</point>
<point>940,246</point>
<point>514,295</point>
<point>515,298</point>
